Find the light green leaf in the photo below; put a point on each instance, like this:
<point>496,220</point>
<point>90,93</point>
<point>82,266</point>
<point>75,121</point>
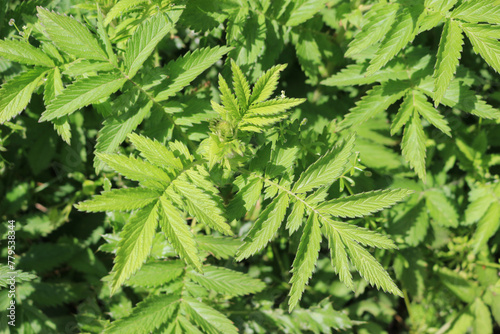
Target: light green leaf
<point>249,191</point>
<point>154,274</point>
<point>82,93</point>
<point>24,53</point>
<point>228,99</point>
<point>103,35</point>
<point>180,72</point>
<point>264,228</point>
<point>303,10</point>
<point>440,209</point>
<point>70,35</point>
<point>147,316</point>
<point>226,282</point>
<point>464,289</point>
<point>241,86</point>
<point>338,254</point>
<point>327,168</point>
<point>266,84</point>
<point>155,153</point>
<point>362,235</point>
<point>305,260</point>
<point>175,228</point>
<point>135,244</point>
<point>482,316</point>
<point>363,204</point>
<point>218,247</point>
<point>295,218</point>
<point>355,74</point>
<point>431,114</point>
<point>413,145</point>
<point>448,57</point>
<point>402,32</point>
<point>375,101</point>
<point>119,8</point>
<point>369,268</point>
<point>16,93</point>
<point>487,226</point>
<point>144,40</point>
<point>272,107</point>
<point>475,11</point>
<point>406,109</point>
<point>208,319</point>
<point>487,47</point>
<point>378,22</point>
<point>124,199</point>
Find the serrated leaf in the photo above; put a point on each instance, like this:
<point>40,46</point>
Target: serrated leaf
<point>134,106</point>
<point>178,233</point>
<point>228,99</point>
<point>362,235</point>
<point>24,53</point>
<point>375,101</point>
<point>363,204</point>
<point>82,93</point>
<point>70,35</point>
<point>155,153</point>
<point>327,168</point>
<point>305,260</point>
<point>266,84</point>
<point>136,169</point>
<point>413,145</point>
<point>487,226</point>
<point>103,35</point>
<point>202,206</point>
<point>440,209</point>
<point>402,32</point>
<point>379,20</point>
<point>207,318</point>
<point>125,199</point>
<point>144,40</point>
<point>355,74</point>
<point>405,111</point>
<point>295,218</point>
<point>219,247</point>
<point>431,114</point>
<point>180,72</point>
<point>338,254</point>
<point>135,244</point>
<point>147,316</point>
<point>450,47</point>
<point>272,107</point>
<point>119,8</point>
<point>226,282</point>
<point>16,93</point>
<point>369,268</point>
<point>475,11</point>
<point>241,86</point>
<point>264,228</point>
<point>303,10</point>
<point>249,192</point>
<point>487,47</point>
<point>482,316</point>
<point>154,274</point>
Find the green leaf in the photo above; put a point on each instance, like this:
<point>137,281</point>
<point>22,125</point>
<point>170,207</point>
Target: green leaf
<point>147,316</point>
<point>125,199</point>
<point>155,274</point>
<point>24,53</point>
<point>241,86</point>
<point>303,10</point>
<point>440,209</point>
<point>82,93</point>
<point>103,35</point>
<point>431,114</point>
<point>464,289</point>
<point>413,145</point>
<point>135,244</point>
<point>249,192</point>
<point>482,316</point>
<point>475,11</point>
<point>226,282</point>
<point>272,107</point>
<point>402,32</point>
<point>363,204</point>
<point>155,153</point>
<point>327,168</point>
<point>369,268</point>
<point>406,109</point>
<point>144,40</point>
<point>379,20</point>
<point>119,8</point>
<point>487,226</point>
<point>295,218</point>
<point>16,93</point>
<point>134,106</point>
<point>375,101</point>
<point>70,35</point>
<point>208,319</point>
<point>264,228</point>
<point>228,99</point>
<point>266,84</point>
<point>487,47</point>
<point>180,72</point>
<point>355,74</point>
<point>218,247</point>
<point>305,260</point>
<point>201,205</point>
<point>338,254</point>
<point>448,57</point>
<point>362,235</point>
<point>178,233</point>
<point>136,169</point>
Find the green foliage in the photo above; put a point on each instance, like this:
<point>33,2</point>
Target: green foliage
<point>208,148</point>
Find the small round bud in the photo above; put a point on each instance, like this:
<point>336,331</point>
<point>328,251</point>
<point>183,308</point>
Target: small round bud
<point>12,22</point>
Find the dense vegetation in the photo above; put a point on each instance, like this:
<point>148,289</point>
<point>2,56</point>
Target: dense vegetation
<point>253,166</point>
